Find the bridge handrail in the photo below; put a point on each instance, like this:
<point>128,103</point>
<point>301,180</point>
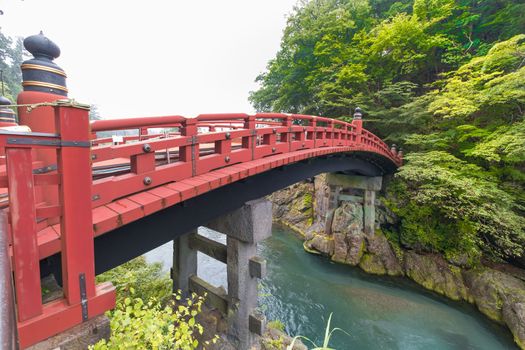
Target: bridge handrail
<point>250,137</point>
<point>198,152</point>
<point>134,123</point>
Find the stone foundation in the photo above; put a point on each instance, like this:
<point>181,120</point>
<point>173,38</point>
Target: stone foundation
<point>244,228</point>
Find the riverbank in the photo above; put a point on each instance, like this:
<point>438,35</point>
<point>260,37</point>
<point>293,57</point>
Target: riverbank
<point>498,291</point>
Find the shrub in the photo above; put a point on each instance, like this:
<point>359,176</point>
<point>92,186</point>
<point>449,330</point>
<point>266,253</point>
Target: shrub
<point>452,206</point>
<point>148,315</point>
<point>147,280</point>
<point>139,325</point>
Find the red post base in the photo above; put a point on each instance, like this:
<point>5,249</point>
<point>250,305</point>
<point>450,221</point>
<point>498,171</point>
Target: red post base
<point>58,316</point>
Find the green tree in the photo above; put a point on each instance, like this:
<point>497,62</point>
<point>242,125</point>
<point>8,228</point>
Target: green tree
<point>443,77</point>
<point>11,57</point>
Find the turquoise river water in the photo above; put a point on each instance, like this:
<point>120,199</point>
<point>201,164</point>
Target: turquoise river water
<point>301,290</point>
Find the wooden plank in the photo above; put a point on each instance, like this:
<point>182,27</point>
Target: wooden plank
<point>149,202</point>
<point>104,219</point>
<point>168,196</point>
<point>127,210</point>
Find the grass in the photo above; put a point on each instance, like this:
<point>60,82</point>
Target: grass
<point>327,335</point>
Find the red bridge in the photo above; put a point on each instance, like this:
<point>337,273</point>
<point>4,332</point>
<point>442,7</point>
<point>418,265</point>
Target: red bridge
<point>76,205</point>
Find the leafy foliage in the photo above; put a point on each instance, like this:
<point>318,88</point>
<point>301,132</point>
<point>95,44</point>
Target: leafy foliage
<point>139,325</point>
<point>453,206</point>
<point>446,78</point>
<point>148,315</point>
<point>147,281</point>
<point>338,53</point>
<point>276,324</point>
<point>11,57</point>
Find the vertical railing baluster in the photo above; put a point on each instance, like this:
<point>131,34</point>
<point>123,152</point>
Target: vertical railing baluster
<point>190,153</point>
<point>74,167</point>
<point>288,135</point>
<point>313,124</point>
<point>250,142</point>
<point>23,225</point>
<point>224,147</point>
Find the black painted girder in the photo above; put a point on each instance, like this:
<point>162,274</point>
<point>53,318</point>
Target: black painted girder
<point>134,239</point>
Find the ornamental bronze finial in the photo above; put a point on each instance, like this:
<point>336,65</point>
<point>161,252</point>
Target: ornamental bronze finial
<point>40,73</point>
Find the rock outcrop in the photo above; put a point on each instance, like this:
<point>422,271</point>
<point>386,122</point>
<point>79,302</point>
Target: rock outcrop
<point>293,206</point>
<point>343,239</point>
<point>434,273</point>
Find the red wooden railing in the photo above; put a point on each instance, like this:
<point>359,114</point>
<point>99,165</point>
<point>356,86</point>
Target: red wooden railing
<point>93,174</point>
<point>224,147</point>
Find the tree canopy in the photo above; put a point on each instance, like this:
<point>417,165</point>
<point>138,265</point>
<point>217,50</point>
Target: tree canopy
<point>445,78</point>
<point>11,57</point>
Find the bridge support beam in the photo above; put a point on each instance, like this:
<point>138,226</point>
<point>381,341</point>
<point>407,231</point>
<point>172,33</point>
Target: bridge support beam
<point>369,186</point>
<point>184,263</point>
<point>369,212</point>
<point>244,228</point>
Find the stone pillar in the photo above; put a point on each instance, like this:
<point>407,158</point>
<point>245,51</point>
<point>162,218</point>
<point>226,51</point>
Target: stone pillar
<point>333,204</point>
<point>369,185</point>
<point>369,212</point>
<point>244,228</point>
<point>242,289</point>
<point>184,263</point>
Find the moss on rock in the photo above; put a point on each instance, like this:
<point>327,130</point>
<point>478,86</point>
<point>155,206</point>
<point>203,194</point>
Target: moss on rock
<point>371,263</point>
<point>434,273</point>
<point>491,289</point>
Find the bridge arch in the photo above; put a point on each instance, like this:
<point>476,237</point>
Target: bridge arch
<point>202,209</point>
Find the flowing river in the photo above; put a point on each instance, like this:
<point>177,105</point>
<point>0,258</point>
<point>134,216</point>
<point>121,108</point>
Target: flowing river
<point>301,290</point>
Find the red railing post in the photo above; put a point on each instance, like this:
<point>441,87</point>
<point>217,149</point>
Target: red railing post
<point>250,142</point>
<point>270,139</point>
<point>23,225</point>
<point>143,132</point>
<point>288,135</point>
<point>357,122</point>
<point>190,153</point>
<point>224,147</point>
<point>313,124</point>
<point>74,167</point>
<point>8,331</point>
<point>332,132</point>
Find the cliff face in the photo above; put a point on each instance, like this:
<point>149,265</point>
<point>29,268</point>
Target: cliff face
<point>337,232</point>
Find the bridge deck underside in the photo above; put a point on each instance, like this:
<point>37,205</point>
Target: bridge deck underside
<point>133,225</point>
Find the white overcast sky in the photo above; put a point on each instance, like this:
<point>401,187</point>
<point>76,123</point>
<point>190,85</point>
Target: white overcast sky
<point>139,58</point>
